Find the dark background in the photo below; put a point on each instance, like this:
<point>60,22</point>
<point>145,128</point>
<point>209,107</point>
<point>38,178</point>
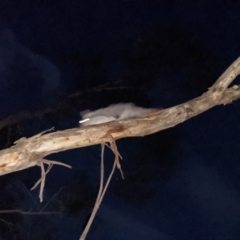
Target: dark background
<point>181,183</point>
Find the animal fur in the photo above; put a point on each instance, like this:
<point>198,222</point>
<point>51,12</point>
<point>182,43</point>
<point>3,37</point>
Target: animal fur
<point>120,111</point>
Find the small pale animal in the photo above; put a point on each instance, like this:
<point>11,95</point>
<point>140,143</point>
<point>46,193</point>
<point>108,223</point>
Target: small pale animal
<point>120,111</point>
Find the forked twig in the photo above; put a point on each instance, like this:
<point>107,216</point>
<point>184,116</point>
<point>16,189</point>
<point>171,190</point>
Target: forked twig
<point>41,181</point>
<point>113,147</point>
<point>44,173</point>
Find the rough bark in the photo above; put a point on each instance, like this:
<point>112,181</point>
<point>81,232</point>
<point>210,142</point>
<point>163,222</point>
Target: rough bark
<point>29,152</point>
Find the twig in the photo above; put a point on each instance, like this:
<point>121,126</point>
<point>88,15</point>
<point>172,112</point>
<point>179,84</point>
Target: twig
<point>51,199</point>
<point>10,225</point>
<point>42,180</point>
<point>28,212</point>
<point>101,191</point>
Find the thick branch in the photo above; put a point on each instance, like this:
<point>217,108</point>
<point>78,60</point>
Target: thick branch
<point>30,152</point>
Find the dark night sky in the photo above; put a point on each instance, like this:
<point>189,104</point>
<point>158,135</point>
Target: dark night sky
<point>182,183</point>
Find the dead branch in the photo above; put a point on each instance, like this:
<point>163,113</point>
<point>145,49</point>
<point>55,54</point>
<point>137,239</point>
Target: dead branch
<point>13,119</point>
<point>29,152</point>
<point>20,211</point>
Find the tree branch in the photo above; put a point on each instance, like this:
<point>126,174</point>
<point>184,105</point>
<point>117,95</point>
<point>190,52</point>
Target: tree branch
<point>10,120</point>
<point>29,152</point>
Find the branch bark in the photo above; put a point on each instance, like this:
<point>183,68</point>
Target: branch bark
<point>29,152</point>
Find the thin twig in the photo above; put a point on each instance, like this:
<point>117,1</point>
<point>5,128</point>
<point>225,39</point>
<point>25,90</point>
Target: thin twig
<point>51,199</point>
<point>98,200</point>
<point>42,181</point>
<point>101,192</point>
<point>28,212</point>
